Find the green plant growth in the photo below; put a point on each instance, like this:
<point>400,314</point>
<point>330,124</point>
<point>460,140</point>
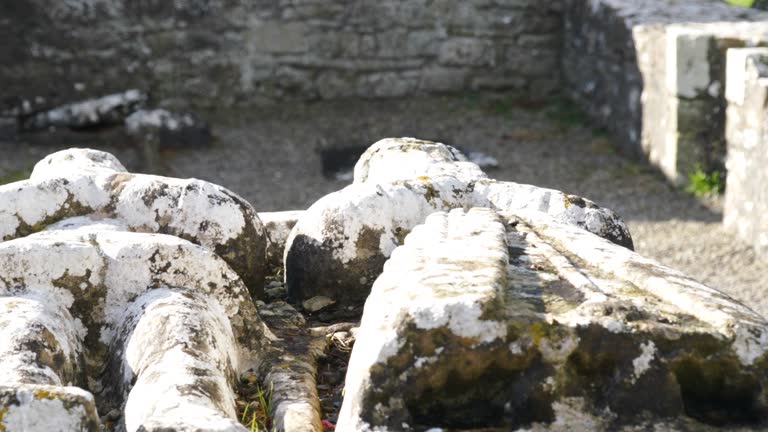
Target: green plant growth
<point>757,4</point>
<point>14,176</point>
<point>256,415</point>
<point>703,184</point>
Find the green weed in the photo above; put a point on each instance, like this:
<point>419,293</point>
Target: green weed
<point>743,3</point>
<point>14,176</point>
<point>256,415</point>
<point>703,184</point>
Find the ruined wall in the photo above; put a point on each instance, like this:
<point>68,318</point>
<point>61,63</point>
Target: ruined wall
<point>233,52</point>
<point>655,83</point>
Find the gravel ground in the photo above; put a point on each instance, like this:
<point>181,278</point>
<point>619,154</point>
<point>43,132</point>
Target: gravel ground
<point>272,156</point>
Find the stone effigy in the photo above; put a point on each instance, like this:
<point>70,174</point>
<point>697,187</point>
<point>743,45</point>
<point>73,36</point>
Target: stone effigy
<point>338,247</point>
<point>517,321</point>
<point>495,305</point>
<point>84,182</point>
<point>97,294</point>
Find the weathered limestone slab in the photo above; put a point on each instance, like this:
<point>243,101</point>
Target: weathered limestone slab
<point>520,322</point>
<point>80,182</point>
<point>746,195</point>
<point>338,247</point>
<point>652,72</point>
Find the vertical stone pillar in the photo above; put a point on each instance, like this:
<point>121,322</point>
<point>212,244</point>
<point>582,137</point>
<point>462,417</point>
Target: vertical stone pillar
<point>746,195</point>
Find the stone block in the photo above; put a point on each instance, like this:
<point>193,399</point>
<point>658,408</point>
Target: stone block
<point>513,321</point>
<point>466,52</point>
<point>333,84</point>
<point>688,69</point>
<point>388,84</point>
<point>443,79</point>
<point>531,62</point>
<point>746,197</point>
<point>278,37</point>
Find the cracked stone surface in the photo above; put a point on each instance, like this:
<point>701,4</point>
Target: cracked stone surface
<point>338,247</point>
<point>517,321</point>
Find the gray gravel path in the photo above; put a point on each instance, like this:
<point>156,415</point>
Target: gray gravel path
<point>272,157</point>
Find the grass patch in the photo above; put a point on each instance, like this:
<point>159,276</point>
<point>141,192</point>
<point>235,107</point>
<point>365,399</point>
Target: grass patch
<point>254,407</point>
<point>15,176</point>
<point>743,3</point>
<point>703,184</point>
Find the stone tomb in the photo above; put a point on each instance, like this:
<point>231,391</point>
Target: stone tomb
<point>488,304</point>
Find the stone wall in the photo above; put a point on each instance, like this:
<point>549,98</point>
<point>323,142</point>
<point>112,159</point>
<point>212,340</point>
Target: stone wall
<point>656,83</point>
<point>746,197</point>
<point>227,52</point>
